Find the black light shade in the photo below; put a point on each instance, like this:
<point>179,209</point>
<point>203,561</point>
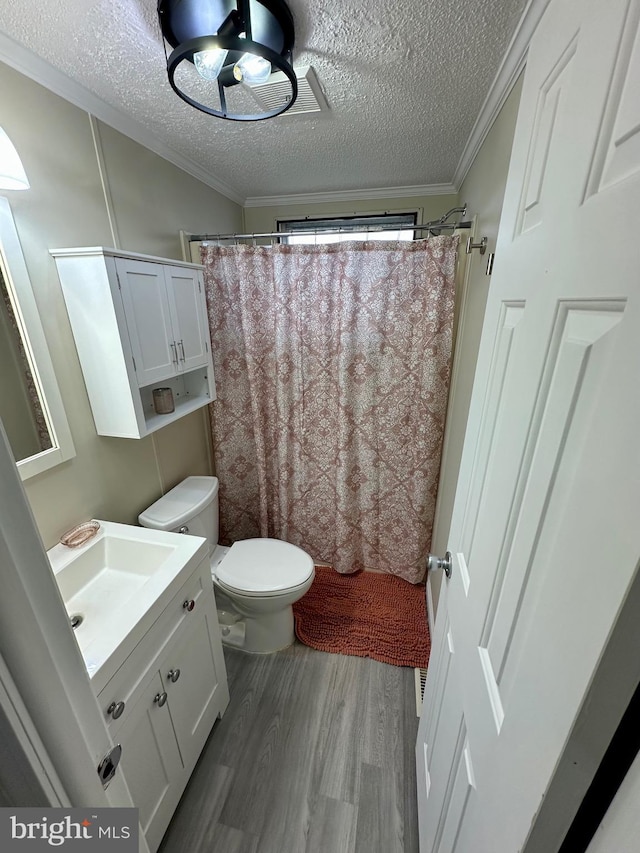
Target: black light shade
<point>246,30</point>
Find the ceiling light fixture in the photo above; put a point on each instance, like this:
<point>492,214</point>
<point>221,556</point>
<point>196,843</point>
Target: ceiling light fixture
<point>12,173</point>
<point>220,50</point>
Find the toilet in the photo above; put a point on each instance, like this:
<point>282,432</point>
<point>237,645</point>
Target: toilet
<point>256,580</point>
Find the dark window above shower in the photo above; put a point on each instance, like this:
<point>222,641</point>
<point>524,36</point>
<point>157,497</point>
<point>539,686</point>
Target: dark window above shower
<point>386,226</point>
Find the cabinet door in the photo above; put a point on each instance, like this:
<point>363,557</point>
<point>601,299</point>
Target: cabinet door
<point>189,314</point>
<point>200,693</point>
<point>149,323</point>
<point>151,762</point>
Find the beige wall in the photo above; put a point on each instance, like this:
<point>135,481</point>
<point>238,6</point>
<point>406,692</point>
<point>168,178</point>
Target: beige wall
<point>152,201</point>
<point>483,190</point>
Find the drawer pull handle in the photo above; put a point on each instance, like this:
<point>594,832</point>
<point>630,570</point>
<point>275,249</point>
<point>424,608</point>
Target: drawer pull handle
<point>116,709</point>
<point>160,699</point>
<point>189,604</point>
<point>173,675</point>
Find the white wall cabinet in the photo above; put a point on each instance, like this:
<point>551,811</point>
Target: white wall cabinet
<point>166,316</point>
<point>173,687</point>
<point>139,323</point>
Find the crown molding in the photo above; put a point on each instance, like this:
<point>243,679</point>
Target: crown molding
<point>28,63</point>
<point>512,64</point>
<point>350,195</point>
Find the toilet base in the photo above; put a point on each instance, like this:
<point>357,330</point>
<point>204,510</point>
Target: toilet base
<point>232,635</point>
<point>270,633</point>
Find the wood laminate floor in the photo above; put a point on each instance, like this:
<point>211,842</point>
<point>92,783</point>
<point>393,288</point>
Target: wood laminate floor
<point>315,754</point>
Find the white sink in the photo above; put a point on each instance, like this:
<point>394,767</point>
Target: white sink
<point>117,584</point>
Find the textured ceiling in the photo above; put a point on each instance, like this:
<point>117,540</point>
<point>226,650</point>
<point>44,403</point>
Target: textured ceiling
<point>404,81</point>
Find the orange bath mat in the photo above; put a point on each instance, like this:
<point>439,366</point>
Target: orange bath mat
<point>367,614</point>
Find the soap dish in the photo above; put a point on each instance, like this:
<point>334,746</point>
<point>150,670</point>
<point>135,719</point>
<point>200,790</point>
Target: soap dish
<point>80,534</point>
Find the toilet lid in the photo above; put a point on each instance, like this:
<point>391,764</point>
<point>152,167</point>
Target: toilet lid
<point>264,565</point>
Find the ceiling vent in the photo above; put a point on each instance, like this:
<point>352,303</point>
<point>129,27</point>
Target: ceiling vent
<point>277,90</point>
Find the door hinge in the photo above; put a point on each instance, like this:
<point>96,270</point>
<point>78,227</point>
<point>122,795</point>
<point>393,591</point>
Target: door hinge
<point>134,364</point>
<point>118,280</point>
<point>199,287</point>
<point>206,346</point>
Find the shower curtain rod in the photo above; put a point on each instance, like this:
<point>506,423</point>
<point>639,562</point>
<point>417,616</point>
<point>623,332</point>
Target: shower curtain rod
<point>371,229</point>
<point>434,225</point>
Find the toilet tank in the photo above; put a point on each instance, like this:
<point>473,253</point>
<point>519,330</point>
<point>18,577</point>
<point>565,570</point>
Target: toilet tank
<point>190,507</point>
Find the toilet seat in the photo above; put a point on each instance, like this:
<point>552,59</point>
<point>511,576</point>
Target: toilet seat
<point>263,567</point>
<point>232,590</point>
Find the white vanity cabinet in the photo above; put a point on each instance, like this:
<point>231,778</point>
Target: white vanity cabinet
<point>172,688</point>
<point>139,323</point>
<point>150,762</point>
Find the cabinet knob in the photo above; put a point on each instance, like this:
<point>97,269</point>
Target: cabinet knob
<point>116,709</point>
<point>189,604</point>
<point>159,699</point>
<point>173,675</point>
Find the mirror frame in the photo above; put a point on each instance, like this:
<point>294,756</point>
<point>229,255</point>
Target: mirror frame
<point>18,281</point>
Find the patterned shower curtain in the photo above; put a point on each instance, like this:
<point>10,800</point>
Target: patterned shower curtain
<point>332,367</point>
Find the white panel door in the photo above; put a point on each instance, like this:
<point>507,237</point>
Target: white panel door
<point>545,533</point>
<point>149,322</point>
<point>189,311</point>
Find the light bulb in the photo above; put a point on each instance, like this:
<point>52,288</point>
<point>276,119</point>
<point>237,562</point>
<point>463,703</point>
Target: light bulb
<point>209,62</point>
<point>252,69</point>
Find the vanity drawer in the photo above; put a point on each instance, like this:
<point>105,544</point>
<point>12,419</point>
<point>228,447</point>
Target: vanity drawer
<point>131,680</point>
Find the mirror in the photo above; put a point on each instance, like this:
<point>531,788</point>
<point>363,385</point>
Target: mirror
<point>30,404</point>
<point>20,408</point>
